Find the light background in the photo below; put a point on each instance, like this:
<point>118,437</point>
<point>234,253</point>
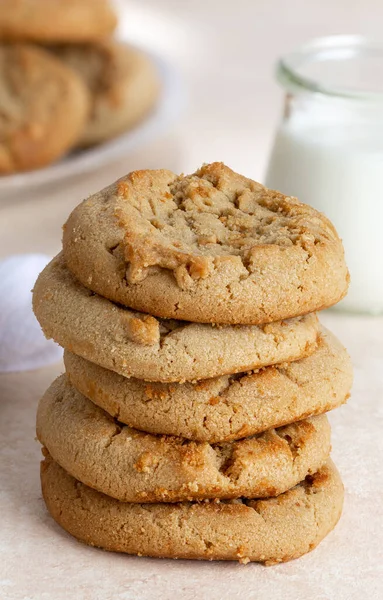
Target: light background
<point>225,52</point>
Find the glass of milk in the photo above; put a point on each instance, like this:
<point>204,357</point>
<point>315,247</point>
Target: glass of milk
<point>328,150</point>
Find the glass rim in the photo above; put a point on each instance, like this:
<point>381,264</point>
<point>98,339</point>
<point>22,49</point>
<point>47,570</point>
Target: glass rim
<point>357,45</point>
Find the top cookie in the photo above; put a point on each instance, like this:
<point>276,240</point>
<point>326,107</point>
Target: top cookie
<point>209,247</point>
<point>56,20</point>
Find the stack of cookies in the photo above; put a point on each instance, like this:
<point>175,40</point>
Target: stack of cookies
<point>65,82</point>
<point>190,420</point>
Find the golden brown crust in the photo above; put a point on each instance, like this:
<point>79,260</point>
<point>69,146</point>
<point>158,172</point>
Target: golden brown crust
<point>43,108</point>
<point>95,329</point>
<point>210,247</point>
<point>270,531</point>
<point>56,20</point>
<point>223,408</point>
<point>138,467</point>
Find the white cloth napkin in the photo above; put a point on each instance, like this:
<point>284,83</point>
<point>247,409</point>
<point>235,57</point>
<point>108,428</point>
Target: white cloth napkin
<point>22,343</point>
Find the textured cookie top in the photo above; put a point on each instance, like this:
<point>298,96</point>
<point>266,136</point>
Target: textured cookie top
<point>138,345</point>
<point>56,20</point>
<point>222,408</point>
<point>212,246</point>
<point>43,107</point>
<point>189,224</point>
<point>133,466</point>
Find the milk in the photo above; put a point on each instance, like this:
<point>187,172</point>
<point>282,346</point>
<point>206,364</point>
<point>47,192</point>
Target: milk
<point>337,167</point>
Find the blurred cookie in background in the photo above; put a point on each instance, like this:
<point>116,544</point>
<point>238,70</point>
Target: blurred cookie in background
<point>54,21</point>
<point>44,106</point>
<point>123,83</point>
<point>65,82</point>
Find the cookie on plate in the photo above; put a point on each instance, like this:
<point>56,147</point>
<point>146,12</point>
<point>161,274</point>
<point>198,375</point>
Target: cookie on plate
<point>270,531</point>
<point>56,20</point>
<point>123,85</point>
<point>212,247</point>
<point>43,108</point>
<point>226,407</point>
<point>138,345</point>
<point>133,466</point>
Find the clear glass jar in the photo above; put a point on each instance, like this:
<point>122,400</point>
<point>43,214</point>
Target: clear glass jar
<point>328,150</point>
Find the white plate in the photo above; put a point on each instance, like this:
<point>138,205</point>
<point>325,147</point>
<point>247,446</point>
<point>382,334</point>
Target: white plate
<point>83,161</point>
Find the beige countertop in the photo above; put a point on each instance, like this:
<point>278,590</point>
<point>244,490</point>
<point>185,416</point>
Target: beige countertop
<point>225,55</point>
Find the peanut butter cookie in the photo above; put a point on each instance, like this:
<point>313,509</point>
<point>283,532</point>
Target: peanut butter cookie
<point>56,20</point>
<point>122,82</point>
<point>138,345</point>
<point>270,531</point>
<point>212,247</point>
<point>140,467</point>
<point>44,106</point>
<point>223,408</point>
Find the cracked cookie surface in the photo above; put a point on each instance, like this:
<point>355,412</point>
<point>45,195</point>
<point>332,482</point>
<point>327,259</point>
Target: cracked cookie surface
<point>133,466</point>
<point>272,530</point>
<point>222,408</point>
<point>138,345</point>
<point>209,247</point>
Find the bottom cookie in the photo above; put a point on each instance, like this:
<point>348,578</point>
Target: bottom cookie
<point>269,531</point>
